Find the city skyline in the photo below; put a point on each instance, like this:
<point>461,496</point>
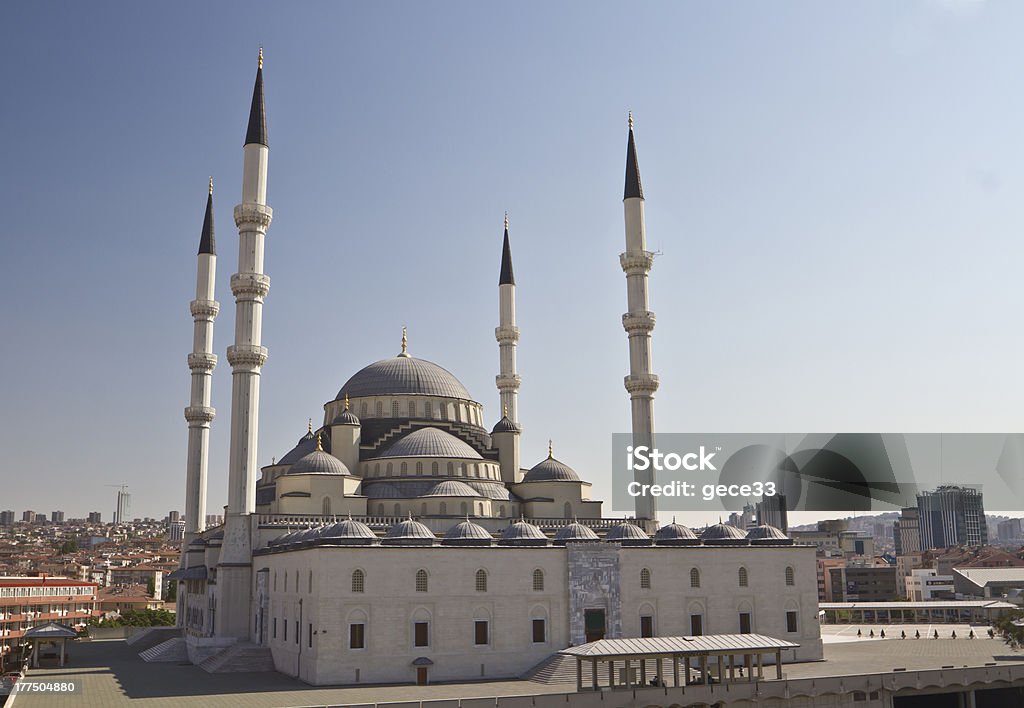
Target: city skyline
<point>760,230</point>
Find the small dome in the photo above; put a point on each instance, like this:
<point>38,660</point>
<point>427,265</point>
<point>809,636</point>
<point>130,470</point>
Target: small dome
<point>723,534</point>
<point>430,442</point>
<point>319,462</point>
<point>768,535</point>
<point>305,445</point>
<point>505,426</point>
<point>574,532</point>
<point>346,417</point>
<point>551,470</point>
<point>675,535</point>
<point>452,488</point>
<point>628,534</point>
<point>491,490</point>
<point>523,533</point>
<point>409,533</point>
<point>403,375</point>
<point>466,533</point>
<point>349,531</point>
<point>284,538</point>
<point>307,534</point>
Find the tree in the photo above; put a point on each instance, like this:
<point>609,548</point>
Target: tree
<point>150,586</point>
<point>171,591</point>
<point>69,546</point>
<point>1011,629</point>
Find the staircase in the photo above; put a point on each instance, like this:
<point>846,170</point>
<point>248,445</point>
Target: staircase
<point>240,657</point>
<point>557,668</point>
<point>173,649</point>
<point>151,636</point>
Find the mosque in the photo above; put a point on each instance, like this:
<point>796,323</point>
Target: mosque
<point>402,539</point>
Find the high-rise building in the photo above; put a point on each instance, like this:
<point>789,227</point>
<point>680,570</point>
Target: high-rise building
<point>123,509</point>
<point>1009,530</point>
<point>906,531</point>
<point>173,516</point>
<point>95,517</point>
<point>176,531</point>
<point>28,516</point>
<point>57,517</point>
<point>6,518</point>
<point>771,511</point>
<point>40,519</point>
<point>214,520</point>
<point>952,516</point>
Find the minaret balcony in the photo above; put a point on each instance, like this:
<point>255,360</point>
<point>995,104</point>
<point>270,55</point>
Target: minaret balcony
<point>200,414</point>
<point>256,217</point>
<point>202,361</point>
<point>641,322</point>
<point>250,286</point>
<point>508,334</point>
<point>507,382</point>
<point>204,309</point>
<point>641,384</point>
<point>636,262</point>
<point>247,355</point>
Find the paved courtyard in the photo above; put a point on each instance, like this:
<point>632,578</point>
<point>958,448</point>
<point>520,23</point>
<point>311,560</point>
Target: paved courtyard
<point>112,675</point>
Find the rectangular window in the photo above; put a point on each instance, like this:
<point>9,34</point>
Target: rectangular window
<point>421,632</point>
<point>539,631</point>
<point>480,632</point>
<point>696,625</point>
<point>357,636</point>
<point>646,626</point>
<point>310,640</point>
<point>744,623</point>
<point>298,631</point>
<point>285,630</point>
<point>791,620</point>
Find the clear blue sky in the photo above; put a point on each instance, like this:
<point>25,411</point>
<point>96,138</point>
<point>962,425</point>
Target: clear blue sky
<point>837,191</point>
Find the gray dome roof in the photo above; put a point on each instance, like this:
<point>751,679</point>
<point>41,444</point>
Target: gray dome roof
<point>768,534</point>
<point>505,426</point>
<point>409,532</point>
<point>675,535</point>
<point>491,490</point>
<point>303,447</point>
<point>383,490</point>
<point>551,470</point>
<point>628,534</point>
<point>575,532</point>
<point>319,462</point>
<point>430,442</point>
<point>466,533</point>
<point>452,488</point>
<point>285,538</point>
<point>523,533</point>
<point>722,533</point>
<point>349,531</point>
<point>403,375</point>
<point>346,417</point>
<point>307,534</point>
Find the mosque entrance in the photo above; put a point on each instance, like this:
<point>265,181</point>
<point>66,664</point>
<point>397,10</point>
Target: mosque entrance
<point>421,675</point>
<point>594,624</point>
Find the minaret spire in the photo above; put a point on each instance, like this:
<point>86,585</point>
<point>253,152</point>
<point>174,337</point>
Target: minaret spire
<point>201,362</point>
<point>638,322</point>
<point>507,333</point>
<point>247,355</point>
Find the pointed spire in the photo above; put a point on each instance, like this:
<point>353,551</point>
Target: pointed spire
<point>257,131</point>
<point>405,345</point>
<point>633,188</point>
<point>309,427</point>
<point>207,243</point>
<point>319,443</point>
<point>346,401</point>
<point>551,450</point>
<point>506,277</point>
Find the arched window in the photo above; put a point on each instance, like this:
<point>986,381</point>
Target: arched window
<point>398,509</point>
<point>463,509</point>
<point>451,469</point>
<point>358,581</point>
<point>421,580</point>
<point>423,509</point>
<point>645,578</point>
<point>380,409</point>
<point>743,577</point>
<point>481,580</point>
<point>501,511</point>
<point>363,412</point>
<point>427,412</point>
<point>380,510</point>
<point>433,468</point>
<point>419,468</point>
<point>404,468</point>
<point>567,509</point>
<point>394,409</point>
<point>327,506</point>
<point>538,580</point>
<point>790,575</point>
<point>444,508</point>
<point>694,578</point>
<point>412,409</point>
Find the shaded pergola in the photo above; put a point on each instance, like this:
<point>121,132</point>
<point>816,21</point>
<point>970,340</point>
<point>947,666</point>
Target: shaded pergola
<point>641,660</point>
<point>920,612</point>
<point>51,632</point>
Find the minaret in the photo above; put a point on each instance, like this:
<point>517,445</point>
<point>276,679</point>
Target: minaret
<point>507,334</point>
<point>201,361</point>
<point>246,357</point>
<point>638,322</point>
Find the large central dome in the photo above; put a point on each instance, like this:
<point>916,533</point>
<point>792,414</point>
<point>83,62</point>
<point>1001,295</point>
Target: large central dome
<point>403,375</point>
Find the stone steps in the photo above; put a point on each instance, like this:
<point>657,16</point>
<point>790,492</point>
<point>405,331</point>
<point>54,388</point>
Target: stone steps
<point>240,657</point>
<point>557,668</point>
<point>151,636</point>
<point>173,649</point>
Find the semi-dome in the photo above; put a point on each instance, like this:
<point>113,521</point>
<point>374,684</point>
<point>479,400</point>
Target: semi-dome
<point>523,533</point>
<point>349,531</point>
<point>452,488</point>
<point>431,442</point>
<point>466,533</point>
<point>505,426</point>
<point>628,534</point>
<point>409,533</point>
<point>319,462</point>
<point>574,532</point>
<point>551,470</point>
<point>765,534</point>
<point>723,533</point>
<point>403,375</point>
<point>675,535</point>
<point>383,490</point>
